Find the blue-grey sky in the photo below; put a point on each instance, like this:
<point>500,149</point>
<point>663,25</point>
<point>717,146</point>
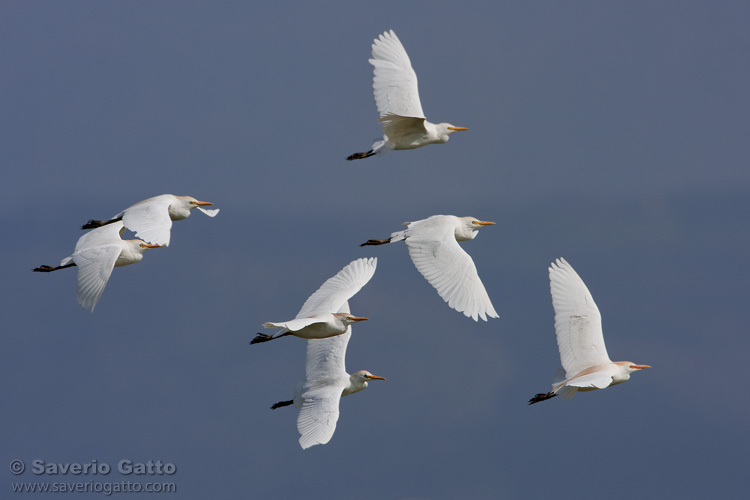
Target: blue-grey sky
<point>614,134</point>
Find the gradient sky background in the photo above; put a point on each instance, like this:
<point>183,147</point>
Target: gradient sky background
<point>614,134</point>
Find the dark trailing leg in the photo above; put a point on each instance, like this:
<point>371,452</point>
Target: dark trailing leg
<point>261,337</point>
<point>359,156</point>
<point>375,242</point>
<point>282,403</point>
<point>93,224</point>
<point>49,269</point>
<point>542,396</point>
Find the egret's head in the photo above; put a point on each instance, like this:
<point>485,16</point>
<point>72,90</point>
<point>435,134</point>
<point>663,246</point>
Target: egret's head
<point>631,367</point>
<point>469,226</point>
<point>350,318</point>
<point>193,203</point>
<point>452,128</point>
<point>364,376</point>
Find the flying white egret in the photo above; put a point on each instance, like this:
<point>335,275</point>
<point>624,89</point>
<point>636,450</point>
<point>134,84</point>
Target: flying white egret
<point>326,381</point>
<point>578,324</point>
<point>434,249</point>
<point>151,219</point>
<point>397,96</point>
<point>316,320</point>
<point>96,254</point>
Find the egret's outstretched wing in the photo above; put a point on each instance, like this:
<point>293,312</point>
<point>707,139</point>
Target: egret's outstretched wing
<point>336,290</point>
<point>395,82</point>
<point>447,267</point>
<point>578,323</point>
<point>326,378</point>
<point>94,269</point>
<point>105,235</point>
<point>149,219</point>
<point>319,413</point>
<point>326,357</point>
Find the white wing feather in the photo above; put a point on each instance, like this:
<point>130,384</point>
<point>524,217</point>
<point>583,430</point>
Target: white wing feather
<point>394,82</point>
<point>94,269</point>
<point>95,255</point>
<point>105,235</point>
<point>337,290</point>
<point>211,212</point>
<point>578,323</point>
<point>149,219</point>
<point>447,267</point>
<point>326,378</point>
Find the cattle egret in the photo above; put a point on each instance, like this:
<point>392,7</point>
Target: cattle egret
<point>151,219</point>
<point>578,324</point>
<point>316,319</point>
<point>397,97</point>
<point>96,254</point>
<point>434,249</point>
<point>326,381</point>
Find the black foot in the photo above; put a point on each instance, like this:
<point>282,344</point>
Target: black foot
<point>359,156</point>
<point>542,396</point>
<point>48,269</point>
<point>44,269</point>
<point>93,224</point>
<point>282,403</point>
<point>375,242</point>
<point>261,337</point>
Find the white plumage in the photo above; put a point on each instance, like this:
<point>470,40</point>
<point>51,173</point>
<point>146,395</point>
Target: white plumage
<point>317,319</point>
<point>326,381</point>
<point>434,249</point>
<point>97,252</point>
<point>578,325</point>
<point>397,97</point>
<point>151,219</point>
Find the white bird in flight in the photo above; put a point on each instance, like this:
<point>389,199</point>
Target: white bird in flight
<point>578,324</point>
<point>151,219</point>
<point>317,319</point>
<point>434,249</point>
<point>397,97</point>
<point>326,381</point>
<point>96,254</point>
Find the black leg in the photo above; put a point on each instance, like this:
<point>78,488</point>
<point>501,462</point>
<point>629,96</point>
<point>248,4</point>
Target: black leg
<point>375,242</point>
<point>542,396</point>
<point>282,403</point>
<point>359,156</point>
<point>49,269</point>
<point>93,224</point>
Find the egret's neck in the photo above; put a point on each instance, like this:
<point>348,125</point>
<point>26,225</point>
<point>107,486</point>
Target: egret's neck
<point>356,384</point>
